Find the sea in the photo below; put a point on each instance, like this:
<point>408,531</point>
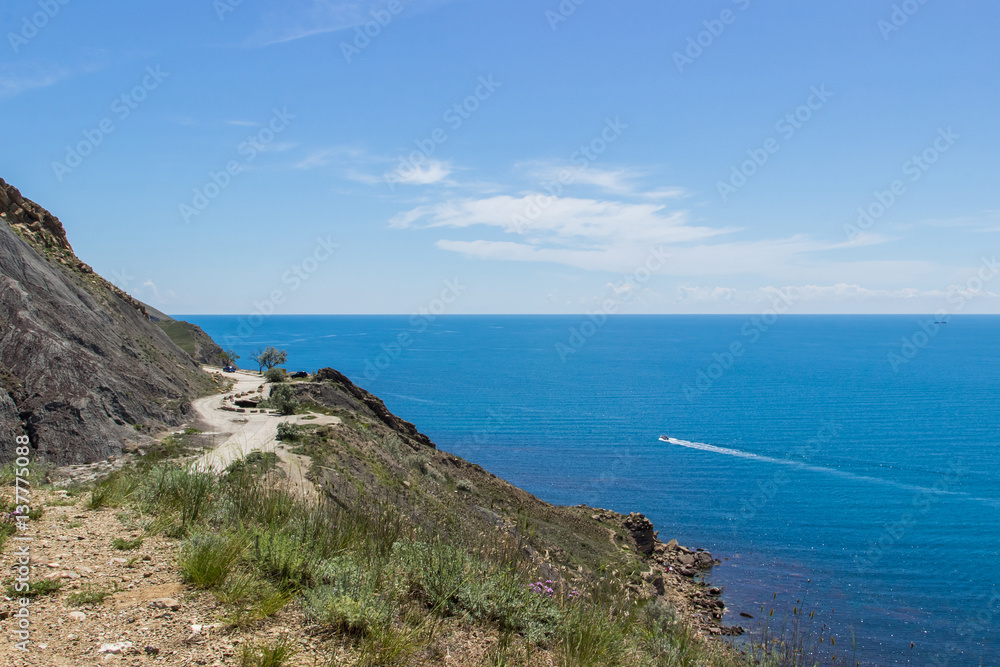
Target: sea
<point>844,469</point>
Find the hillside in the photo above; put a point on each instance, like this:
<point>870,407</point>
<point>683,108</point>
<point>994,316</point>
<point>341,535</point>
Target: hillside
<point>187,336</point>
<point>83,369</point>
<point>398,555</point>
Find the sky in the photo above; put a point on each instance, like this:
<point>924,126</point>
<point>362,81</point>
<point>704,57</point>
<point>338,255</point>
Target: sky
<point>478,156</point>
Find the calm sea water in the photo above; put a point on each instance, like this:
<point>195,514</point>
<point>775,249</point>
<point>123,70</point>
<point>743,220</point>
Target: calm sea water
<point>834,465</point>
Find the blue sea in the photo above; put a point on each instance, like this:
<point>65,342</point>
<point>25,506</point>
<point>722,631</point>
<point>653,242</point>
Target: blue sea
<point>844,465</point>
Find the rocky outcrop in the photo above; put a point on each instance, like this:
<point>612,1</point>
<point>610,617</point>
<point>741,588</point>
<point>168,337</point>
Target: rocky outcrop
<point>673,569</point>
<point>642,532</point>
<point>324,391</point>
<point>82,366</point>
<point>187,336</point>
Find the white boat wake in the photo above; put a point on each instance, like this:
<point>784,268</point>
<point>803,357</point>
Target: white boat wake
<point>821,469</point>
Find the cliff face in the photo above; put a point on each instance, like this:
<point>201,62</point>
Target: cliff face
<point>81,365</point>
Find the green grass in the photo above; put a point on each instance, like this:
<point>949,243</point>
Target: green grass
<point>115,489</point>
<point>207,558</point>
<point>372,571</point>
<point>89,595</point>
<point>6,531</point>
<point>265,655</point>
<point>39,588</point>
<point>122,544</point>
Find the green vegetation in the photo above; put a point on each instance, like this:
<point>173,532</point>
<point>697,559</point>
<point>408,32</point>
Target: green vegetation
<point>276,375</point>
<point>282,399</point>
<point>89,595</point>
<point>182,334</point>
<point>126,545</point>
<point>262,655</point>
<point>227,358</point>
<point>36,589</point>
<point>408,549</point>
<point>269,358</point>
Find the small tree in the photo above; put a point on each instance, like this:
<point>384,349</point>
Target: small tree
<point>269,358</point>
<point>281,400</point>
<point>227,357</point>
<point>275,375</point>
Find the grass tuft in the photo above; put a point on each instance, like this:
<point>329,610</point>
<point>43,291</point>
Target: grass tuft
<point>122,544</point>
<point>207,558</point>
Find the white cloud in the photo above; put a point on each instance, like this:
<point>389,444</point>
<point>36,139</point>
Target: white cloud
<point>621,181</point>
<point>561,220</point>
<point>433,172</point>
<point>17,79</point>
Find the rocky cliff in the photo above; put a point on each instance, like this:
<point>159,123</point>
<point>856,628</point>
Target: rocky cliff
<point>82,368</point>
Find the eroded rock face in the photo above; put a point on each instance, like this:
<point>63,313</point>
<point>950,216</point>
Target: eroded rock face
<point>641,529</point>
<point>81,364</point>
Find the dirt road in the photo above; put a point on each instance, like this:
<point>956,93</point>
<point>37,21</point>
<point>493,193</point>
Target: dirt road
<point>247,432</point>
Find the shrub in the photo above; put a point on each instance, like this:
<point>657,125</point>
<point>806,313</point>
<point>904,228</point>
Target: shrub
<point>283,558</point>
<point>288,432</point>
<point>275,375</point>
<point>282,400</point>
<point>207,559</point>
<point>345,613</point>
<point>465,485</point>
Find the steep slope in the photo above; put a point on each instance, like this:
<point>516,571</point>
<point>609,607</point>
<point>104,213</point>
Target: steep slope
<point>82,367</point>
<point>187,336</point>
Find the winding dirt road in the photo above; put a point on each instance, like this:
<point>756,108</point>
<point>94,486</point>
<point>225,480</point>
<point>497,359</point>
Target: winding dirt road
<point>246,432</point>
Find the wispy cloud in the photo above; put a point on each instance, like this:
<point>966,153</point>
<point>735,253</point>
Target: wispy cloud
<point>628,182</point>
<point>18,79</point>
<point>299,19</point>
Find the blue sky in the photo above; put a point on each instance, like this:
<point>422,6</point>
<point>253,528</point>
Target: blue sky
<point>658,157</point>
